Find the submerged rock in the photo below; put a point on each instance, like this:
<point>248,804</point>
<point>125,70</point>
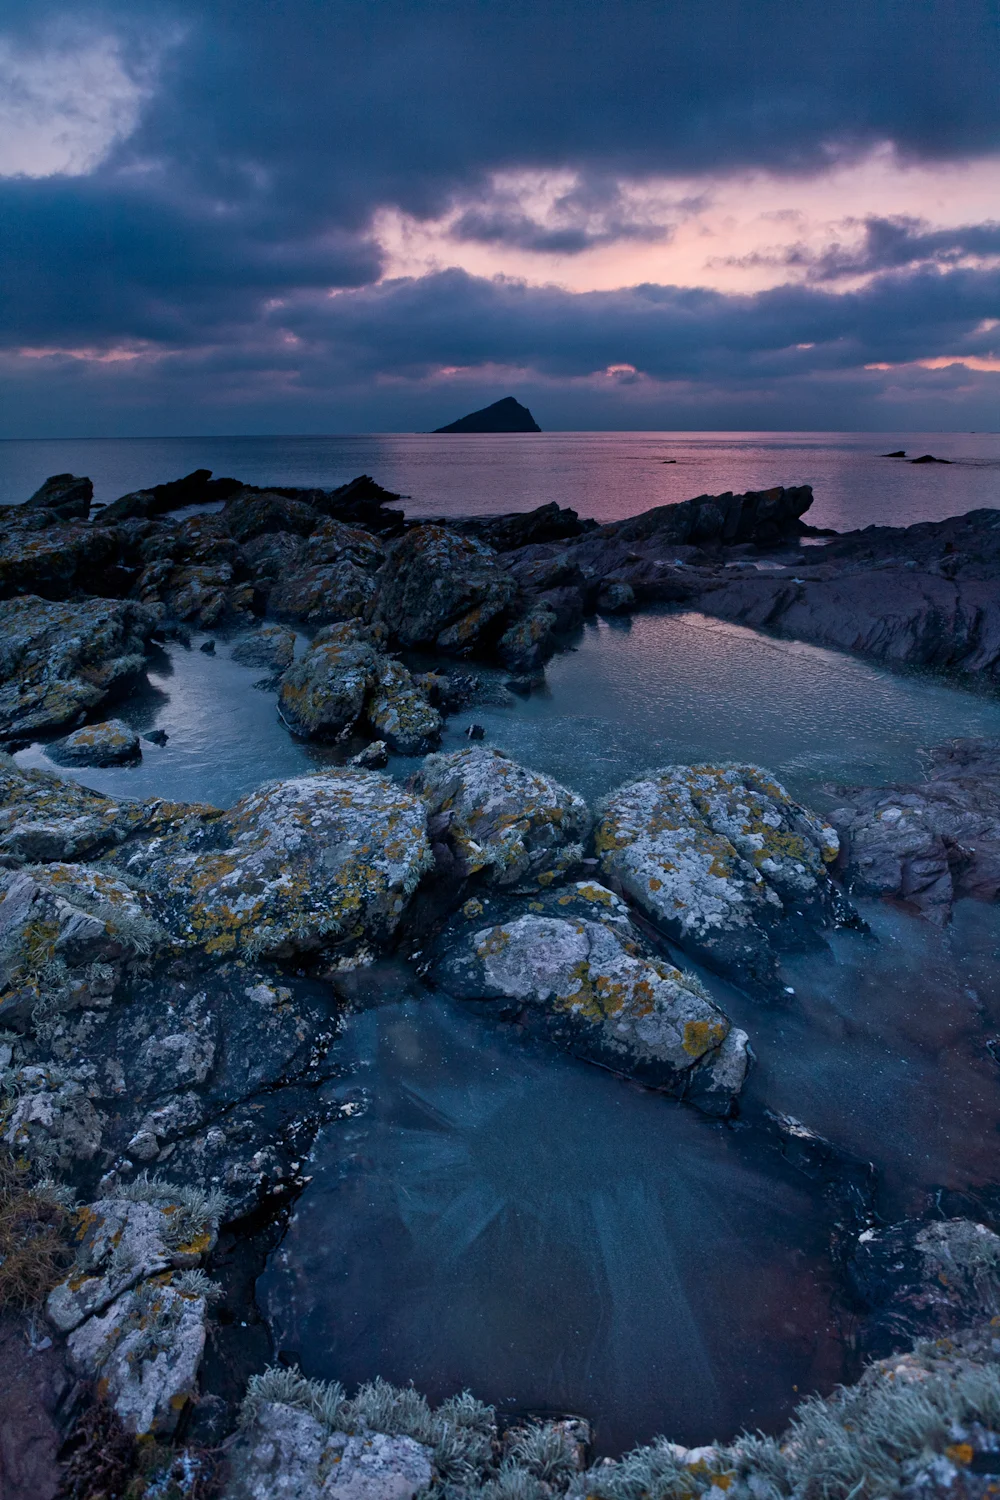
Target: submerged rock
<point>571,964</point>
<point>928,843</point>
<point>724,863</point>
<point>109,744</point>
<point>400,714</point>
<point>502,821</point>
<point>269,646</point>
<point>58,661</point>
<point>324,692</point>
<point>440,589</point>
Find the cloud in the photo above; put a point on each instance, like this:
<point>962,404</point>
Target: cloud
<point>886,243</point>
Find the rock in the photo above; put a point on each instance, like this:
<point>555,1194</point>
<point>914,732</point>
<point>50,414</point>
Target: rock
<point>475,732</point>
<point>930,843</point>
<point>400,714</point>
<point>761,516</point>
<point>270,555</point>
<point>923,1280</point>
<point>547,523</point>
<point>571,964</point>
<point>525,685</point>
<point>324,594</point>
<point>504,822</point>
<point>616,598</point>
<point>60,661</point>
<point>66,495</point>
<point>316,862</point>
<point>270,646</point>
<point>567,604</point>
<point>40,554</point>
<point>288,1454</point>
<point>109,744</point>
<point>207,647</point>
<point>440,589</point>
<point>506,415</point>
<point>324,692</point>
<point>724,863</point>
<point>49,1121</point>
<point>157,737</point>
<point>252,514</point>
<point>527,643</point>
<point>145,1350</point>
<point>897,453</point>
<point>928,458</point>
<point>373,757</point>
<point>198,488</point>
<point>334,541</point>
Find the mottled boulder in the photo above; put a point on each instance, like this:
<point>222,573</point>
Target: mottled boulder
<point>321,861</point>
<point>251,514</point>
<point>269,555</point>
<point>109,744</point>
<point>724,863</point>
<point>146,1350</point>
<point>324,593</point>
<point>201,595</point>
<point>616,597</point>
<point>571,964</point>
<point>48,1120</point>
<point>439,588</point>
<point>502,821</point>
<point>269,646</point>
<point>324,692</point>
<point>41,554</point>
<point>399,713</point>
<point>65,494</point>
<point>526,644</point>
<point>334,541</point>
<point>931,842</point>
<point>288,1453</point>
<point>59,661</point>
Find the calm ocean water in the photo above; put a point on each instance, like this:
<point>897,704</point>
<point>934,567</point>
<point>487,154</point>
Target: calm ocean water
<point>604,475</point>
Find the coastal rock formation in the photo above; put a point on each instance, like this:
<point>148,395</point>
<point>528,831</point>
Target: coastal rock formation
<point>498,820</point>
<point>521,528</point>
<point>439,589</point>
<point>109,744</point>
<point>324,692</point>
<point>399,714</point>
<point>506,415</point>
<point>570,964</point>
<point>288,1451</point>
<point>724,863</point>
<point>60,660</point>
<point>269,646</point>
<point>40,554</point>
<point>67,495</point>
<point>930,843</point>
<point>332,577</point>
<point>198,488</point>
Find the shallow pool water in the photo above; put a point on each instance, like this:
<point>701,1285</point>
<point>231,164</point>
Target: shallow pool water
<point>508,1219</point>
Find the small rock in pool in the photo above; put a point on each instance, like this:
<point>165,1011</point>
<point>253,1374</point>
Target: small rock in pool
<point>109,744</point>
<point>897,453</point>
<point>269,646</point>
<point>525,684</point>
<point>373,757</point>
<point>208,647</point>
<point>157,736</point>
<point>475,732</point>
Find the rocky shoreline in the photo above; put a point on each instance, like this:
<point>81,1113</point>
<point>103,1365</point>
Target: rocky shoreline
<point>174,975</point>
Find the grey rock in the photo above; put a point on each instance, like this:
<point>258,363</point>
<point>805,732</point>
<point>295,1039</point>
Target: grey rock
<point>616,598</point>
<point>373,757</point>
<point>250,514</point>
<point>324,593</point>
<point>65,494</point>
<point>109,744</point>
<point>324,692</point>
<point>270,646</point>
<point>287,1454</point>
<point>528,642</point>
<point>399,713</point>
<point>438,588</point>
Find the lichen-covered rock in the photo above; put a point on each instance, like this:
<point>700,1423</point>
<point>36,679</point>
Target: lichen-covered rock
<point>324,692</point>
<point>144,1353</point>
<point>287,1454</point>
<point>571,964</point>
<point>248,515</point>
<point>47,1119</point>
<point>314,862</point>
<point>400,714</point>
<point>109,744</point>
<point>526,643</point>
<point>724,863</point>
<point>67,495</point>
<point>502,821</point>
<point>323,593</point>
<point>269,646</point>
<point>60,660</point>
<point>439,588</point>
<point>269,555</point>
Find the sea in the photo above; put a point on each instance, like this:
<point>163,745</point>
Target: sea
<point>505,1218</point>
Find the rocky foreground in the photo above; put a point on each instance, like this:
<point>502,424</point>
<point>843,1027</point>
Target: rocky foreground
<point>172,976</point>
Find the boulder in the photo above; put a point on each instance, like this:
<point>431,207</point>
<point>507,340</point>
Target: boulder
<point>547,523</point>
<point>440,589</point>
<point>324,692</point>
<point>39,554</point>
<point>109,744</point>
<point>269,646</point>
<point>399,713</point>
<point>571,964</point>
<point>317,862</point>
<point>252,514</point>
<point>48,1120</point>
<point>323,594</point>
<point>270,555</point>
<point>65,494</point>
<point>528,642</point>
<point>724,864</point>
<point>503,822</point>
<point>60,661</point>
<point>197,488</point>
<point>288,1453</point>
<point>928,843</point>
<point>373,757</point>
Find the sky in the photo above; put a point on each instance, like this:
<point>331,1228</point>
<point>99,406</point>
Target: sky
<point>306,216</point>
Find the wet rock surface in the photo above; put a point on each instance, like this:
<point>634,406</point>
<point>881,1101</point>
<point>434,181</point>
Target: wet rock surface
<point>109,744</point>
<point>440,589</point>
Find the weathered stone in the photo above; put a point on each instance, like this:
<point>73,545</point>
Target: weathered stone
<point>571,964</point>
<point>49,1121</point>
<point>40,554</point>
<point>616,597</point>
<point>399,714</point>
<point>109,744</point>
<point>503,821</point>
<point>527,643</point>
<point>324,692</point>
<point>314,862</point>
<point>59,661</point>
<point>270,646</point>
<point>270,555</point>
<point>724,863</point>
<point>324,593</point>
<point>66,494</point>
<point>438,588</point>
<point>252,514</point>
<point>287,1454</point>
<point>373,757</point>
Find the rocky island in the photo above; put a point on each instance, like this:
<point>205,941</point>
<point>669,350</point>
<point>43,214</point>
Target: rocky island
<point>174,976</point>
<point>506,415</point>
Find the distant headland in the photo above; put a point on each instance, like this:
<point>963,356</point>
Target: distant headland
<point>507,415</point>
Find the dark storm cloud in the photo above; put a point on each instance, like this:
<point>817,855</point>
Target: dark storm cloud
<point>886,244</point>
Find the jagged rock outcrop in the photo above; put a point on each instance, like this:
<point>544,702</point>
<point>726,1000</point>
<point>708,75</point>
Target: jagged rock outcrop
<point>68,496</point>
<point>440,589</point>
<point>570,964</point>
<point>494,818</point>
<point>399,713</point>
<point>724,863</point>
<point>505,415</point>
